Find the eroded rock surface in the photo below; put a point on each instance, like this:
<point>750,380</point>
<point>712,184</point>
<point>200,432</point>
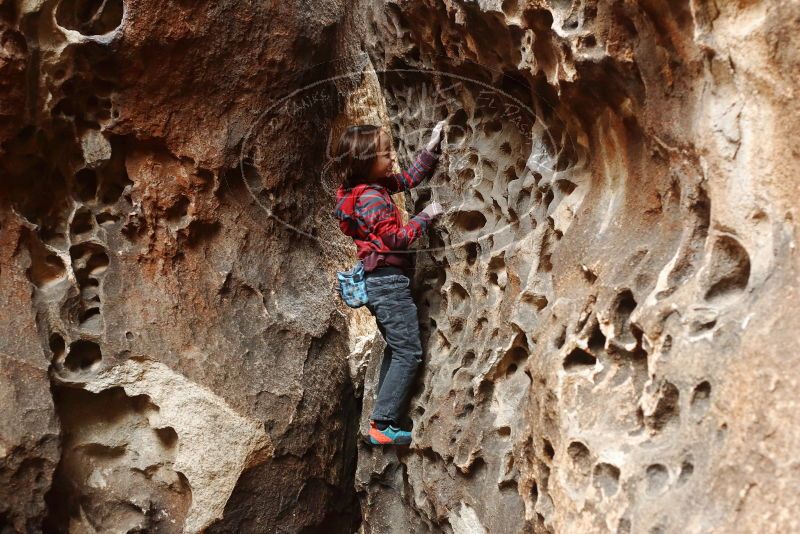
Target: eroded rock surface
<point>607,305</point>
<point>172,359</point>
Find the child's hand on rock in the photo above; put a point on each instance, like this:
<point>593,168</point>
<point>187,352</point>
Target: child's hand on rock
<point>433,210</point>
<point>436,136</point>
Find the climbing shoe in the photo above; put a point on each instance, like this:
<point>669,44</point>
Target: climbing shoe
<point>391,435</point>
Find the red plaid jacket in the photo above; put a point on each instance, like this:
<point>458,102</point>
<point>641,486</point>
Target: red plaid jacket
<point>368,214</point>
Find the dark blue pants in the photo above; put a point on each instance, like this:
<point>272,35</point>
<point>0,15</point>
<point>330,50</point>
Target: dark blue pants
<point>390,301</point>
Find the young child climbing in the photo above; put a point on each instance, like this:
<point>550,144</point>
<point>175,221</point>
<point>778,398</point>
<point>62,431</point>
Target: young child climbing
<point>363,166</point>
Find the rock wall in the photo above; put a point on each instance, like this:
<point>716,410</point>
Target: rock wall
<point>172,359</point>
<point>606,305</point>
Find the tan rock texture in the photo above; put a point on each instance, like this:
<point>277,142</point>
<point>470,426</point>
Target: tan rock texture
<point>607,305</point>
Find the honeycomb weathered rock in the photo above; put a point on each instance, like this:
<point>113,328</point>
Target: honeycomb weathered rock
<point>606,306</point>
<point>608,303</point>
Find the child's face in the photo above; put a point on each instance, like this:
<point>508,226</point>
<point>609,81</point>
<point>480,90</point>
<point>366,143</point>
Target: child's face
<point>383,164</point>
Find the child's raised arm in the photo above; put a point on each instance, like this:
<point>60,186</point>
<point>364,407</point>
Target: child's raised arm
<point>421,169</point>
<point>423,165</point>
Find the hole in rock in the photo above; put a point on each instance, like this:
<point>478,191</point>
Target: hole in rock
<point>580,456</point>
<point>167,436</point>
<point>606,478</point>
<point>623,307</point>
<point>65,106</point>
<point>698,327</point>
<point>90,293</point>
<point>458,295</point>
<point>492,127</point>
<point>201,231</point>
<point>548,449</point>
<point>667,407</point>
<point>578,360</point>
<point>538,302</point>
<point>46,268</point>
<point>85,185</point>
<point>548,197</point>
<point>205,176</point>
<point>597,340</point>
<point>469,221</point>
<point>657,478</point>
<point>561,338</point>
<point>510,8</point>
<point>485,389</point>
<point>565,187</point>
<point>545,263</point>
<point>113,184</point>
<point>480,325</point>
<point>57,345</point>
<point>106,218</point>
<point>456,324</point>
<point>82,222</point>
<point>91,282</point>
<point>701,398</point>
<point>729,269</point>
<point>510,174</point>
<point>82,355</point>
<point>457,128</point>
<point>178,210</point>
<point>488,168</point>
<point>90,17</point>
<point>88,259</point>
<point>496,267</point>
<point>687,469</point>
<point>90,319</point>
<point>468,358</point>
<point>468,175</point>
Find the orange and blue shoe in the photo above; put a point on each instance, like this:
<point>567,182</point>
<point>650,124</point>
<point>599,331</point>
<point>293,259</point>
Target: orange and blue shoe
<point>391,435</point>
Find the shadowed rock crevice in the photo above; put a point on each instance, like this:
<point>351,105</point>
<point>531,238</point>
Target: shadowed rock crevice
<point>120,235</point>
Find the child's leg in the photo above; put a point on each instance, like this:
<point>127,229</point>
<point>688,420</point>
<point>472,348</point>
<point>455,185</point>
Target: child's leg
<point>396,313</point>
<point>387,354</point>
<point>385,363</point>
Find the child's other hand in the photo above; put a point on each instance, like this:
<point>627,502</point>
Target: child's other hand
<point>436,136</point>
<point>433,210</point>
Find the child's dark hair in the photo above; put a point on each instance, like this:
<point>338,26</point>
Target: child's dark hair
<point>355,153</point>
